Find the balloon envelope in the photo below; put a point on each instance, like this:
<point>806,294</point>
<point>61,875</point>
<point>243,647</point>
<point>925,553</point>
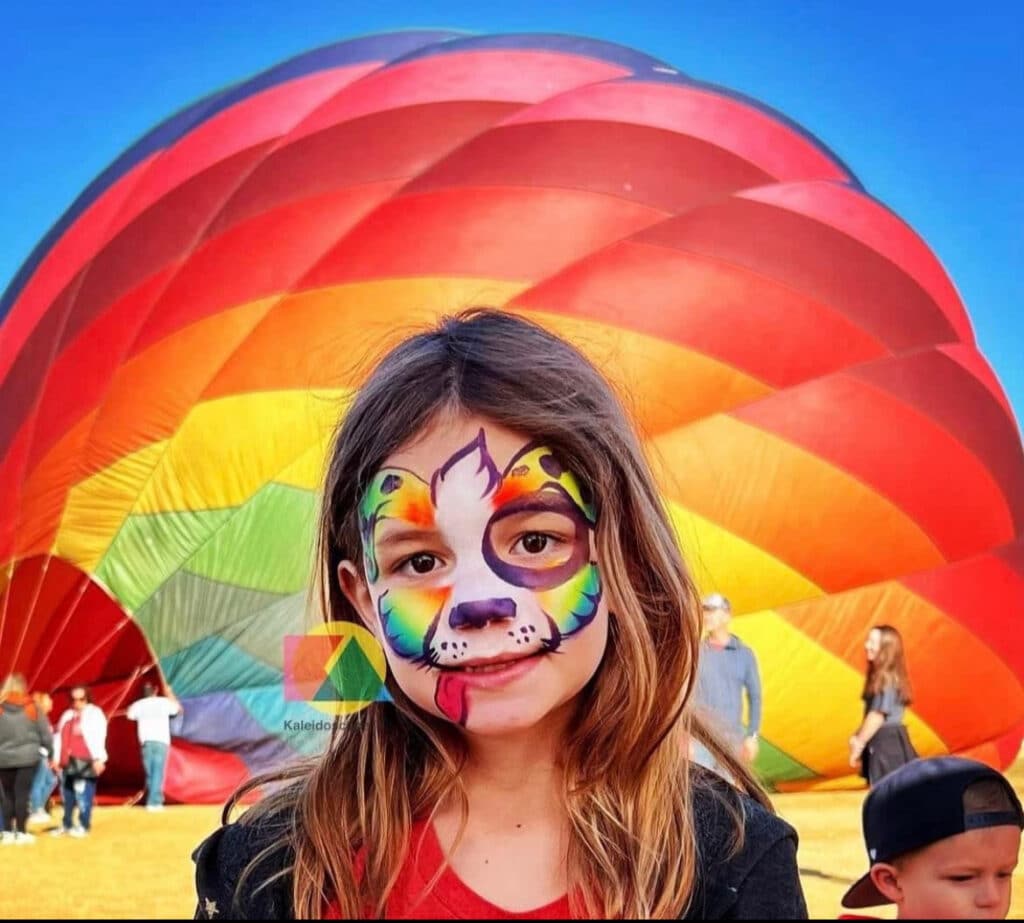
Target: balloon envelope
<point>833,449</point>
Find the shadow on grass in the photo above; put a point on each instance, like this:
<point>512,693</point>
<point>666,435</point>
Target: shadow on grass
<point>817,873</point>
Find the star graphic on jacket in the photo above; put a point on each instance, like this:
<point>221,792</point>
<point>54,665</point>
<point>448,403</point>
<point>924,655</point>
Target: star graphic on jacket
<point>210,907</point>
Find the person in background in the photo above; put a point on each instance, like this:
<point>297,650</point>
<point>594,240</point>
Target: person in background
<point>45,780</point>
<point>80,752</point>
<point>728,670</point>
<point>23,732</point>
<point>152,713</point>
<point>942,837</point>
<point>881,743</point>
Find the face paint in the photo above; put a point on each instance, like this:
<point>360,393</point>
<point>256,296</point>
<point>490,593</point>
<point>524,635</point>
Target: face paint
<point>573,605</point>
<point>409,617</point>
<point>535,469</point>
<point>486,471</point>
<point>452,698</point>
<point>569,587</point>
<point>394,493</point>
<point>517,550</point>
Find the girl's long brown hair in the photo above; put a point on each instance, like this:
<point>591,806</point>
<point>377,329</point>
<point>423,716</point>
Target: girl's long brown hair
<point>628,791</point>
<point>889,668</point>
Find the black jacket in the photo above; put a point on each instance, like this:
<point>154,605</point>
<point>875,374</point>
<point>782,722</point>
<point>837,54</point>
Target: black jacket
<point>22,737</point>
<point>760,882</point>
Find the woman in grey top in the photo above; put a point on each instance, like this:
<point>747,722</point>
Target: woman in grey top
<point>881,743</point>
<point>24,736</point>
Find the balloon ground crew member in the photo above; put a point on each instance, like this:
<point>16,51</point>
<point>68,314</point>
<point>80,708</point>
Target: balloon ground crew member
<point>728,669</point>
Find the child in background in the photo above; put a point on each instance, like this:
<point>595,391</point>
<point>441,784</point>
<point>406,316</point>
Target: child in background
<point>881,743</point>
<point>942,835</point>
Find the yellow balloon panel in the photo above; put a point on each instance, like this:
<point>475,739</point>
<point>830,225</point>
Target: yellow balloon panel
<point>721,562</point>
<point>228,449</point>
<point>220,457</point>
<point>98,506</point>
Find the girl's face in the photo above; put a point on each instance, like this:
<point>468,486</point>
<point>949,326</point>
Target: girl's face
<point>480,576</point>
<point>873,644</point>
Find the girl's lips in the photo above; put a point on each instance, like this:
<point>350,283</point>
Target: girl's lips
<point>496,675</point>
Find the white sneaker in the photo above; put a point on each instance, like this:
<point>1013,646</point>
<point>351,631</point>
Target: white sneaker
<point>154,807</point>
<point>39,817</point>
<point>23,839</point>
<point>6,838</point>
<point>78,832</point>
<point>60,831</point>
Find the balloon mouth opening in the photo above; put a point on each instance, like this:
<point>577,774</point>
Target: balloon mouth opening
<point>73,633</point>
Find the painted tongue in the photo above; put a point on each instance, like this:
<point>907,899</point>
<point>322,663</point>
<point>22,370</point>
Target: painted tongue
<point>452,697</point>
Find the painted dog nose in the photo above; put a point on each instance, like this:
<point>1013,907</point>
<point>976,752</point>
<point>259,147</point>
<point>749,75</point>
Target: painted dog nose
<point>478,613</point>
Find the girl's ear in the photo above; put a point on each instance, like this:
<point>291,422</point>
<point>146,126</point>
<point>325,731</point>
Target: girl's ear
<point>358,594</point>
<point>886,878</point>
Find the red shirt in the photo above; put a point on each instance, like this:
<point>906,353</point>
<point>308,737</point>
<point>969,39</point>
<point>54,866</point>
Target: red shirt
<point>451,898</point>
<point>72,743</point>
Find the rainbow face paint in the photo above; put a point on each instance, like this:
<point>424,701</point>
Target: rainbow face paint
<point>536,482</point>
<point>409,617</point>
<point>534,470</point>
<point>394,493</point>
<point>573,604</point>
<point>475,563</point>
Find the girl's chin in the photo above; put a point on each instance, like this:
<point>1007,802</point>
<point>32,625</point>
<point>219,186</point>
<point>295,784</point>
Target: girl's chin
<point>482,723</point>
<point>495,719</point>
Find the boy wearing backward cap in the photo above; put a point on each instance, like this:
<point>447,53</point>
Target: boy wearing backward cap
<point>943,836</point>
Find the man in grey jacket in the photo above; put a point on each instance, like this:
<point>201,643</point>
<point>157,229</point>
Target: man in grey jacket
<point>24,732</point>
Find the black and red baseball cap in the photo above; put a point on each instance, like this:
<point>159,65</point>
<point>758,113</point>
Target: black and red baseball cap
<point>919,804</point>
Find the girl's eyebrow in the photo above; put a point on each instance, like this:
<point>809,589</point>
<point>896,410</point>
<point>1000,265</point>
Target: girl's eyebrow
<point>403,533</point>
<point>539,501</point>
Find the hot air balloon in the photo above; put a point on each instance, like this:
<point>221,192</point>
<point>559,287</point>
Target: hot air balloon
<point>833,448</point>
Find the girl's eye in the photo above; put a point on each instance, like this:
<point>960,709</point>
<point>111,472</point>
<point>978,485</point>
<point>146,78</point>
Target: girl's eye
<point>959,879</point>
<point>422,563</point>
<point>534,543</point>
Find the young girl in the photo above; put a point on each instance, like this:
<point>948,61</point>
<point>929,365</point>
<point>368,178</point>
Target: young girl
<point>882,743</point>
<point>488,514</point>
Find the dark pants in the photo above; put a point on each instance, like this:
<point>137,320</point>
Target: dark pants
<point>15,786</point>
<point>80,792</point>
<point>154,761</point>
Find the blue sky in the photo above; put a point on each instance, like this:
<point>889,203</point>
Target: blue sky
<point>924,101</point>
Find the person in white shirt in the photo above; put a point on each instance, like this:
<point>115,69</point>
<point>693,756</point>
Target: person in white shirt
<point>153,713</point>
